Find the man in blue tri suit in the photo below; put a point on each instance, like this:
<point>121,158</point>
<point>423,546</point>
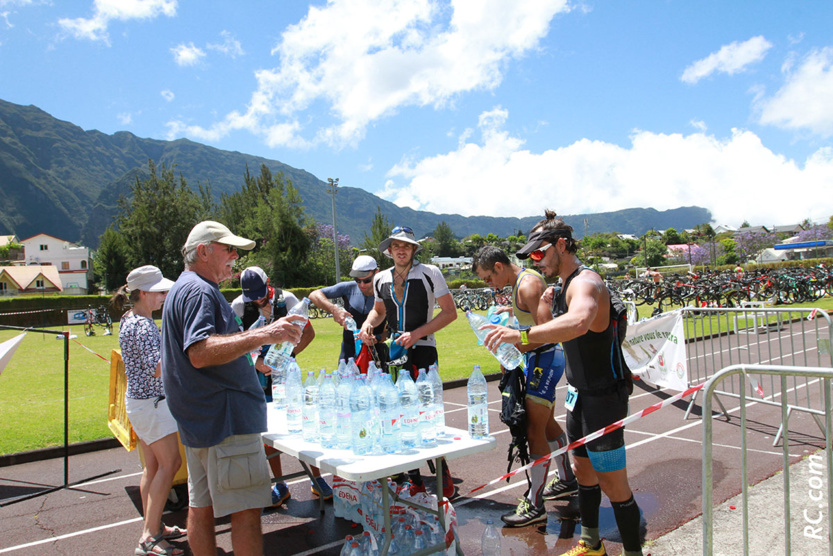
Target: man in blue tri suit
<point>358,299</point>
<point>599,381</point>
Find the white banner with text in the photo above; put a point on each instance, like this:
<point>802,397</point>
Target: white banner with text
<point>655,351</point>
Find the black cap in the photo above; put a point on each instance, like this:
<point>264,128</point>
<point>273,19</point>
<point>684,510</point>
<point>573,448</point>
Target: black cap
<point>539,237</point>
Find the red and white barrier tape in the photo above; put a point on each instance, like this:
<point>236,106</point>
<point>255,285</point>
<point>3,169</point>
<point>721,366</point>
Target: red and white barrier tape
<point>91,351</point>
<point>594,435</point>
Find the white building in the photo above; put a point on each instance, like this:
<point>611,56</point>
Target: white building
<point>71,260</point>
<point>451,263</point>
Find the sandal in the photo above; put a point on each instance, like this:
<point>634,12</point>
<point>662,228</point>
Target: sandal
<point>149,546</point>
<point>171,532</point>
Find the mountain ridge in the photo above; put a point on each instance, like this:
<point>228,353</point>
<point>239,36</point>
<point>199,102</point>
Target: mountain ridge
<point>60,179</point>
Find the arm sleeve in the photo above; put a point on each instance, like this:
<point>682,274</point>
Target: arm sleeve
<point>199,318</point>
<point>440,285</point>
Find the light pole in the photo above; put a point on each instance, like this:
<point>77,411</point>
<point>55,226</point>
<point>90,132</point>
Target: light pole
<point>332,189</point>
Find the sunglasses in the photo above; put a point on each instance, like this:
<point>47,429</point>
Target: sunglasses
<point>226,248</point>
<point>539,254</point>
<point>364,280</point>
<point>399,229</point>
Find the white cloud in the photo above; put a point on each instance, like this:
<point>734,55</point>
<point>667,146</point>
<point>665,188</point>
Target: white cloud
<point>804,100</point>
<point>409,53</point>
<point>15,3</point>
<point>735,177</point>
<point>187,54</point>
<point>125,118</point>
<point>731,58</point>
<point>699,125</point>
<point>230,46</point>
<point>95,28</point>
<point>167,95</point>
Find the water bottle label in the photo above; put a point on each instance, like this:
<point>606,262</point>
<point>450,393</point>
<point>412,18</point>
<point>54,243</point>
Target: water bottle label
<point>410,421</point>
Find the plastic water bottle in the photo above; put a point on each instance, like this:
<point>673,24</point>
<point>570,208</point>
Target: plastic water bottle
<point>507,354</point>
<point>497,318</point>
<point>344,435</point>
<point>439,408</point>
<point>478,404</point>
<point>419,541</point>
<point>409,402</point>
<point>294,398</point>
<point>279,390</point>
<point>408,538</point>
<point>350,324</point>
<point>390,416</point>
<point>359,416</point>
<point>327,412</point>
<point>279,353</point>
<point>427,429</point>
<point>345,550</point>
<point>490,540</point>
<point>352,368</point>
<point>309,413</point>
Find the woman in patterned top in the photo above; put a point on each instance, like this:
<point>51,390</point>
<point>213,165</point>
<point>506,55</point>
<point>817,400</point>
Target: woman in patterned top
<point>140,342</point>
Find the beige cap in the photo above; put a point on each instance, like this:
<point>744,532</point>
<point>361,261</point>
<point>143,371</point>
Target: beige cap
<point>208,231</point>
<point>148,278</point>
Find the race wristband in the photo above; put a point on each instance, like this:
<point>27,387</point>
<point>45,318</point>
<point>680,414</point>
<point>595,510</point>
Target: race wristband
<point>524,338</point>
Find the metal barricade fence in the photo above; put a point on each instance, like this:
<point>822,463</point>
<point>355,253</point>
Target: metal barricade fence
<point>784,376</point>
<point>720,337</point>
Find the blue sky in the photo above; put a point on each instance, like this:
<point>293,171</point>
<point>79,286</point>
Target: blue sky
<point>477,107</point>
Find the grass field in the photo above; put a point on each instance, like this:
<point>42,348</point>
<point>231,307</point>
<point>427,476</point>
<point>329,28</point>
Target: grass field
<point>32,385</point>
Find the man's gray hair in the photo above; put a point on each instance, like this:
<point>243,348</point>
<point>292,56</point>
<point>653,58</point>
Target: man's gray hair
<point>189,257</point>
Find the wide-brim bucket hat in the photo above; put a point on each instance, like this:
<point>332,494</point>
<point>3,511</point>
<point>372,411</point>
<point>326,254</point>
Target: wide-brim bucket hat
<point>399,233</point>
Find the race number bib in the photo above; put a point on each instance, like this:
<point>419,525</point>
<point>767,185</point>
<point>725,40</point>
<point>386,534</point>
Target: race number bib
<point>571,398</point>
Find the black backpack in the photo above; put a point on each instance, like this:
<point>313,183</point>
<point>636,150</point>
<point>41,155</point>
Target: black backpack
<point>513,415</point>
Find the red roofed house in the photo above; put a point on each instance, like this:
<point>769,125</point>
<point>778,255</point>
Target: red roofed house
<point>16,280</point>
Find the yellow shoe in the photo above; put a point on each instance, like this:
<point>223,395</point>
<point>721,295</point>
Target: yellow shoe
<point>583,549</point>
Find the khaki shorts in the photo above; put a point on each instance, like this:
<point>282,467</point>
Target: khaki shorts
<point>232,476</point>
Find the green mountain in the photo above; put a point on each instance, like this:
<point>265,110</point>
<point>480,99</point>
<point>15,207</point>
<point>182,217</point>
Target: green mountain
<point>58,179</point>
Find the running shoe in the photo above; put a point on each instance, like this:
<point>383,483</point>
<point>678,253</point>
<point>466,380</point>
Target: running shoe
<point>525,514</point>
<point>280,494</point>
<point>583,549</point>
<point>326,490</point>
<point>448,483</point>
<point>557,489</point>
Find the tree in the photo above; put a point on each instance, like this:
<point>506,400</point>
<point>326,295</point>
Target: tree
<point>656,252</point>
<point>110,265</point>
<point>447,244</point>
<point>671,237</point>
<point>319,267</point>
<point>156,220</point>
<point>380,229</point>
<point>750,244</point>
<point>729,256</point>
<point>268,209</point>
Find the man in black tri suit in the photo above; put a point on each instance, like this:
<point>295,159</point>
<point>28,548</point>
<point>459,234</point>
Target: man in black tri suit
<point>598,379</point>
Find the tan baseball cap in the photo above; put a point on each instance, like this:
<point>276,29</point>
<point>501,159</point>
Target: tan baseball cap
<point>208,231</point>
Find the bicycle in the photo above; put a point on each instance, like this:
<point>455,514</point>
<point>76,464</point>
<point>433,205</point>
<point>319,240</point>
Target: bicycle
<point>98,317</point>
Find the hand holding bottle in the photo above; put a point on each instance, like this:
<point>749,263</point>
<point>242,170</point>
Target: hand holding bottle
<point>499,335</point>
<point>286,329</point>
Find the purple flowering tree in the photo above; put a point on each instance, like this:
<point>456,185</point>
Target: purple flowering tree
<point>750,244</point>
<point>321,260</point>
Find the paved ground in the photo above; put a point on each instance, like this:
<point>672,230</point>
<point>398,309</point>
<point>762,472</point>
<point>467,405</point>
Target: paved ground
<point>664,460</point>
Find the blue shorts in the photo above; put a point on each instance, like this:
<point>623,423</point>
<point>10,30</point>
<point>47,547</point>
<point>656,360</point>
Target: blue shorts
<point>543,371</point>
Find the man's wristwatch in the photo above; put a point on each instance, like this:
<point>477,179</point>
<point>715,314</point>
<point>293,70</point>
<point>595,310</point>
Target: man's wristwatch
<point>524,338</point>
